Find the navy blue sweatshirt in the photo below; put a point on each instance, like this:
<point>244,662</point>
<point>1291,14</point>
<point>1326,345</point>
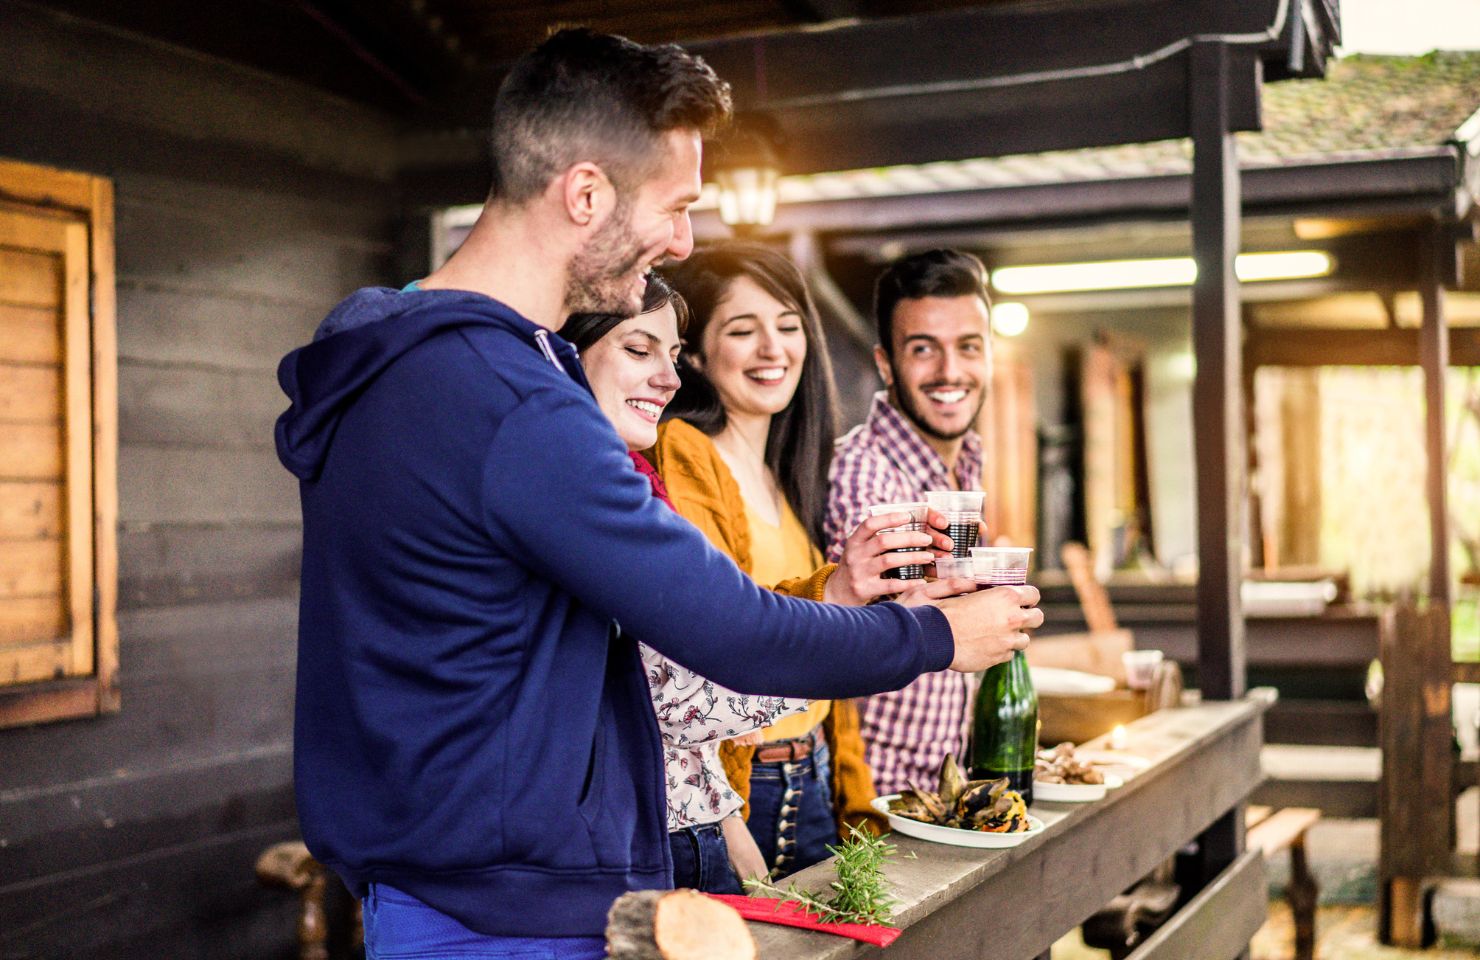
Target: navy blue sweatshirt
<point>473,726</point>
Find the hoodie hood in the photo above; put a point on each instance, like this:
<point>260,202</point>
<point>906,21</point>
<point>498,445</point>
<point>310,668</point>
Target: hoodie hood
<point>354,344</point>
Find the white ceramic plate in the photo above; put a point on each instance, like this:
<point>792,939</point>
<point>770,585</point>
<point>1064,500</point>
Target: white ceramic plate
<point>955,836</point>
<point>1075,792</point>
<point>1112,758</point>
<point>1069,682</point>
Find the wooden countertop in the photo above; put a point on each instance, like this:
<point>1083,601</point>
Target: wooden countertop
<point>1014,903</point>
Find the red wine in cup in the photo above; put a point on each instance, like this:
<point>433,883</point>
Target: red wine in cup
<point>999,578</point>
<point>963,536</point>
<point>912,571</point>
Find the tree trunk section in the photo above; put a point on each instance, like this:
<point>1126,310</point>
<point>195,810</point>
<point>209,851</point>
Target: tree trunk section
<point>675,925</point>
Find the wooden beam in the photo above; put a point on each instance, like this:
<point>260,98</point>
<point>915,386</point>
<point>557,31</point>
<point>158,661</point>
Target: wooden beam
<point>1273,347</point>
<point>1422,184</point>
<point>983,82</point>
<point>978,48</point>
<point>856,131</point>
<point>1434,358</point>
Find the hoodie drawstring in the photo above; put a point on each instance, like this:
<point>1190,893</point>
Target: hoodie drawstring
<point>542,337</point>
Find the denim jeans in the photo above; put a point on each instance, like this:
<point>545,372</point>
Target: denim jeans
<point>701,860</point>
<point>397,925</point>
<point>791,811</point>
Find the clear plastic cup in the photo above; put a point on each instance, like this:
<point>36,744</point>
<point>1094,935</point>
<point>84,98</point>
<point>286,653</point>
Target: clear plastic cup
<point>952,568</point>
<point>917,513</point>
<point>963,511</point>
<point>1140,667</point>
<point>996,566</point>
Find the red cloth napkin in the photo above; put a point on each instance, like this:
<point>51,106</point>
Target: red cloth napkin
<point>789,913</point>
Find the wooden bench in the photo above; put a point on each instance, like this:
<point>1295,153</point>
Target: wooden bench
<point>1131,917</point>
<point>1271,830</point>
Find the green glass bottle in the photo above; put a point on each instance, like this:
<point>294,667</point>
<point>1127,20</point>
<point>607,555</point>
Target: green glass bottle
<point>1004,730</point>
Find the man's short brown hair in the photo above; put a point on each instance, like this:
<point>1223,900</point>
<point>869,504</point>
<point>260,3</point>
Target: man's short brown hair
<point>588,96</point>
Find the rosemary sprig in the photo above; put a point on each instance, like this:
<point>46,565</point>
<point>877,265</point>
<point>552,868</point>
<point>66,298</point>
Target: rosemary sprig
<point>860,892</point>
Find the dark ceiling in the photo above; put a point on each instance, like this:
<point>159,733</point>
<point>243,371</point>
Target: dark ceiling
<point>413,55</point>
<point>884,82</point>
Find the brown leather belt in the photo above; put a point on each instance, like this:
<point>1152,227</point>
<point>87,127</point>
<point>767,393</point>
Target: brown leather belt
<point>786,751</point>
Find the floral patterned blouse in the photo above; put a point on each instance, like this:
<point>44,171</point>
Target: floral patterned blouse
<point>694,715</point>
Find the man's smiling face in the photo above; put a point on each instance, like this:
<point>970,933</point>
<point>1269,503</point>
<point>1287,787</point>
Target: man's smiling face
<point>646,229</point>
<point>942,360</point>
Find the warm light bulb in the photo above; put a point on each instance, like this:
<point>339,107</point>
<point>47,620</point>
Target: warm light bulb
<point>747,195</point>
<point>1009,319</point>
<point>1118,738</point>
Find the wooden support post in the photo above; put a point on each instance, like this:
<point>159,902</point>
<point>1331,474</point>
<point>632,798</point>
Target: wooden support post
<point>1433,350</point>
<point>1217,411</point>
<point>1414,795</point>
<point>1261,553</point>
<point>1217,405</point>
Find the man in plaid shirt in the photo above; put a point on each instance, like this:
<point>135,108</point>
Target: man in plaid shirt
<point>934,353</point>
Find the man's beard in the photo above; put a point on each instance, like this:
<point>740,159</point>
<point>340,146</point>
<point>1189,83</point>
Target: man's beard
<point>905,400</point>
<point>600,273</point>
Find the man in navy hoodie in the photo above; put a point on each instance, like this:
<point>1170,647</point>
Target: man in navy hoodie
<point>475,751</point>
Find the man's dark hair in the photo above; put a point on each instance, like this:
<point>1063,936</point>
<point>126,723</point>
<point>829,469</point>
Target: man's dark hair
<point>588,96</point>
<point>799,445</point>
<point>934,273</point>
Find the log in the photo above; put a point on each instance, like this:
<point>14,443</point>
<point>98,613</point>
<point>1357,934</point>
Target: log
<point>675,925</point>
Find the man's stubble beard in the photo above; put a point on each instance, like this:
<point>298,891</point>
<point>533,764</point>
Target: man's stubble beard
<point>904,400</point>
<point>596,280</point>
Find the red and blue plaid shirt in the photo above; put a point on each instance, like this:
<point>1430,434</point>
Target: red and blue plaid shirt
<point>885,460</point>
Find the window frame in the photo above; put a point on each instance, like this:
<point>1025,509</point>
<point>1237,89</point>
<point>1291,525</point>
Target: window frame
<point>87,199</point>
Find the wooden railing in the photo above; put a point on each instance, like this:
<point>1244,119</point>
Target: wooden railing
<point>1015,903</point>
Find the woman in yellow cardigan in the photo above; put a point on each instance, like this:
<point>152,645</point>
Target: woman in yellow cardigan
<point>745,459</point>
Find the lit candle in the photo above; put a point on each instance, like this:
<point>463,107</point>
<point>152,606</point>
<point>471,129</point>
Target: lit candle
<point>1118,738</point>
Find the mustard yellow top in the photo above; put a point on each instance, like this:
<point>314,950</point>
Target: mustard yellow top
<point>779,553</point>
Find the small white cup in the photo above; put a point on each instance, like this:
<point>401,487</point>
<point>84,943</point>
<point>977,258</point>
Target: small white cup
<point>996,566</point>
<point>952,568</point>
<point>1140,667</point>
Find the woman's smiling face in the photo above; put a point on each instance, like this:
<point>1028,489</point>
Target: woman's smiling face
<point>753,350</point>
<point>632,374</point>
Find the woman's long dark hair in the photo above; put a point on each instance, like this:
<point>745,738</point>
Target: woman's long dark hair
<point>799,446</point>
<point>582,330</point>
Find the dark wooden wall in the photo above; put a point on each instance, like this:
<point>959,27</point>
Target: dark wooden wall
<point>246,207</point>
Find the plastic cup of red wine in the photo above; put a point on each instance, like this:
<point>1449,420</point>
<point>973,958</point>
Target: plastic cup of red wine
<point>963,513</point>
<point>1000,566</point>
<point>917,513</point>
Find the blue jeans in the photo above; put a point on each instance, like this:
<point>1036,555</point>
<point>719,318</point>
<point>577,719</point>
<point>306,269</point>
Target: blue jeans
<point>791,811</point>
<point>701,860</point>
<point>397,925</point>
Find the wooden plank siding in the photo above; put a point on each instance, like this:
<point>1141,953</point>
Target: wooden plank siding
<point>28,334</point>
<point>245,208</point>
